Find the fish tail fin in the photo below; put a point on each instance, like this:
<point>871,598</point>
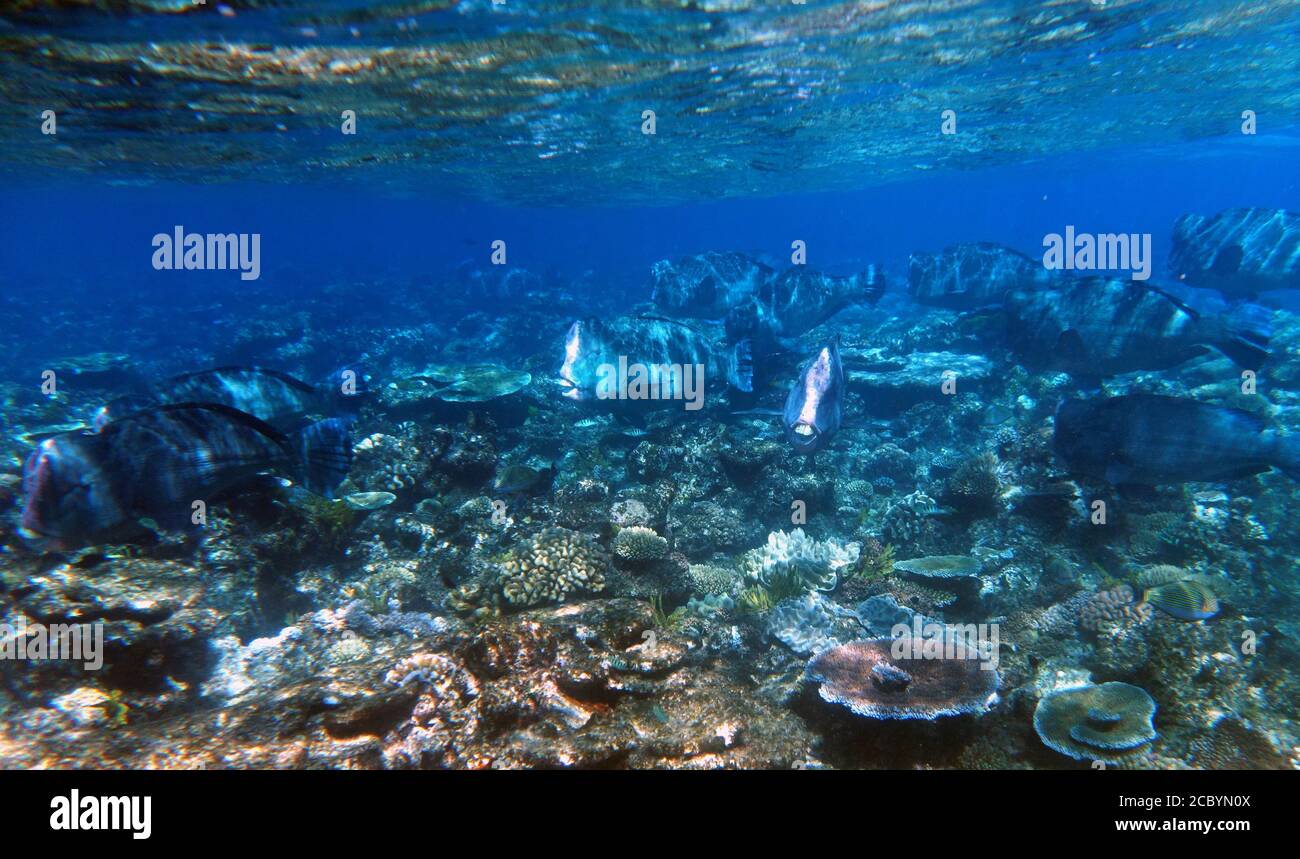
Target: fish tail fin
<point>325,449</point>
<point>872,280</point>
<point>1286,454</point>
<point>742,365</point>
<point>1245,334</point>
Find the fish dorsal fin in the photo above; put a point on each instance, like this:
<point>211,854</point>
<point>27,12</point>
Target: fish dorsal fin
<point>256,371</point>
<point>665,320</point>
<point>235,415</point>
<point>1174,300</point>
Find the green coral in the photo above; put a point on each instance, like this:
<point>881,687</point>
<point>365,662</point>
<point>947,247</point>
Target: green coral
<point>780,585</point>
<point>115,708</point>
<point>666,619</point>
<point>974,488</point>
<point>755,600</point>
<point>875,563</point>
<point>332,520</point>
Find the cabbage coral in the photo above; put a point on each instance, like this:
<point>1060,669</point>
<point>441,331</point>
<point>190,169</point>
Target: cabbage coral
<point>815,563</point>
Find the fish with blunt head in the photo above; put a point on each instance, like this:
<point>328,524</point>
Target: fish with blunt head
<point>798,300</point>
<point>814,407</point>
<point>1151,440</point>
<point>1240,252</point>
<point>973,275</point>
<point>662,359</point>
<point>1099,326</point>
<point>277,398</point>
<point>88,487</point>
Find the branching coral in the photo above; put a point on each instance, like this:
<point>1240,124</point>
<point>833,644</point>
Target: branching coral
<point>975,489</point>
<point>638,544</point>
<point>712,579</point>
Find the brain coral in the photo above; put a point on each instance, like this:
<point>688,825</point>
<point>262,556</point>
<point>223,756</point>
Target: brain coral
<point>1117,606</point>
<point>866,677</point>
<point>1096,723</point>
<point>550,566</point>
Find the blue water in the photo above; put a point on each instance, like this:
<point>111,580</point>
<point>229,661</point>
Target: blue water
<point>67,229</point>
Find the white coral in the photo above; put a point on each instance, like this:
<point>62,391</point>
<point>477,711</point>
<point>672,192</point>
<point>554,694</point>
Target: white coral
<point>817,562</point>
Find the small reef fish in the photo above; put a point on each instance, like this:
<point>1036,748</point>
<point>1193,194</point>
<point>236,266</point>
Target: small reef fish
<point>524,479</point>
<point>814,407</point>
<point>974,275</point>
<point>86,487</point>
<point>1240,252</point>
<point>1150,440</point>
<point>650,359</point>
<point>1095,327</point>
<point>271,396</point>
<point>369,500</point>
<point>1185,600</point>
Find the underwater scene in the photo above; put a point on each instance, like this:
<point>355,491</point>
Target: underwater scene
<point>660,384</point>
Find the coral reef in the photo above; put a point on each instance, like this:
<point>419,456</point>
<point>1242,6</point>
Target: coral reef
<point>713,579</point>
<point>678,592</point>
<point>810,623</point>
<point>940,567</point>
<point>867,678</point>
<point>550,566</point>
<point>1117,606</point>
<point>638,544</point>
<point>1096,723</point>
<point>795,554</point>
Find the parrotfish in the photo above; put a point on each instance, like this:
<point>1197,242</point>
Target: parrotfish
<point>647,358</point>
<point>753,299</point>
<point>974,275</point>
<point>524,478</point>
<point>87,487</point>
<point>814,407</point>
<point>274,397</point>
<point>1150,440</point>
<point>798,300</point>
<point>1239,252</point>
<point>707,285</point>
<point>1095,327</point>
